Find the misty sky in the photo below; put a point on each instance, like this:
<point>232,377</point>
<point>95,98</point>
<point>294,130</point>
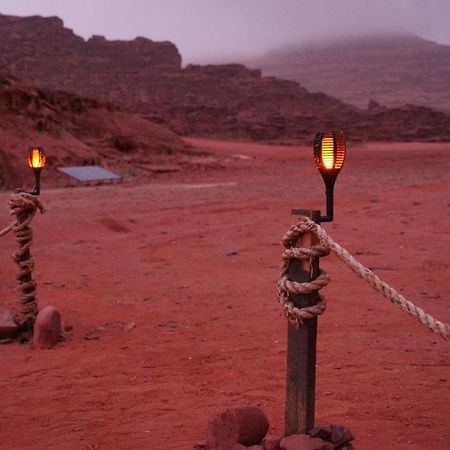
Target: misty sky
<point>222,30</point>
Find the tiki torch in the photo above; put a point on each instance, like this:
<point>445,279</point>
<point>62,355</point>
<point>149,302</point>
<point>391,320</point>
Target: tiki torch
<point>329,154</point>
<point>36,161</point>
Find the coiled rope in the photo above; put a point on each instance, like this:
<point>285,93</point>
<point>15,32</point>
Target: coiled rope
<point>326,244</point>
<point>24,206</point>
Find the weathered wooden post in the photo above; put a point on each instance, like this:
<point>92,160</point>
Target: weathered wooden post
<point>329,155</point>
<point>24,207</point>
<point>301,345</point>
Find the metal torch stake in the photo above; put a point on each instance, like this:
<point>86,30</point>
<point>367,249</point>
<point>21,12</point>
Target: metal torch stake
<point>301,345</point>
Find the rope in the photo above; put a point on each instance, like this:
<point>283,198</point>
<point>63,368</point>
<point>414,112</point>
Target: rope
<point>6,230</point>
<point>24,206</point>
<point>295,315</point>
<point>326,242</point>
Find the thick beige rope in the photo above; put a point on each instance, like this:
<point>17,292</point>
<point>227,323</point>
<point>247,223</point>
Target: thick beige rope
<point>24,206</point>
<point>295,315</point>
<point>6,230</point>
<point>307,225</point>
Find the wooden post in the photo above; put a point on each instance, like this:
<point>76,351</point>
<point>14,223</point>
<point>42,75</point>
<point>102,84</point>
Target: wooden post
<point>301,345</point>
<point>27,286</point>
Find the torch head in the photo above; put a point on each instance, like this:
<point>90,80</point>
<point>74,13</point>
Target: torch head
<point>36,158</point>
<point>329,155</point>
<point>36,161</point>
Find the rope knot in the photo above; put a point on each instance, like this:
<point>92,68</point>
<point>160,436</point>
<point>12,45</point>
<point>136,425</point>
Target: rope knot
<point>24,207</point>
<point>326,244</point>
<point>295,315</point>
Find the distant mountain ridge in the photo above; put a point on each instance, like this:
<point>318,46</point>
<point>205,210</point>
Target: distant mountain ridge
<point>391,69</point>
<point>225,101</point>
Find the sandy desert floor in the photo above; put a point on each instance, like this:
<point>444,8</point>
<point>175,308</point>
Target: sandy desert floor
<point>165,328</point>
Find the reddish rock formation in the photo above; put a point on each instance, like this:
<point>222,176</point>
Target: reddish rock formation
<point>78,131</point>
<point>229,101</point>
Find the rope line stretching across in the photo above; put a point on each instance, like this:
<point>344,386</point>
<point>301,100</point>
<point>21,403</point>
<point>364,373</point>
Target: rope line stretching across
<point>24,206</point>
<point>326,244</point>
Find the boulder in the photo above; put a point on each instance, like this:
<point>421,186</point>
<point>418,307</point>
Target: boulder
<point>246,425</point>
<point>47,328</point>
<point>8,326</point>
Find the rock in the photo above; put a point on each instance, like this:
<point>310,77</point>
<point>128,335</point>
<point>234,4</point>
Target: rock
<point>304,442</point>
<point>94,333</point>
<point>223,431</point>
<point>336,434</point>
<point>253,425</point>
<point>128,326</point>
<point>8,326</point>
<point>272,443</point>
<point>246,425</point>
<point>227,100</point>
<point>47,328</point>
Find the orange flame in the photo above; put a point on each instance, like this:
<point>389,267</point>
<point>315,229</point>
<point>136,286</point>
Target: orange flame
<point>332,151</point>
<point>36,158</point>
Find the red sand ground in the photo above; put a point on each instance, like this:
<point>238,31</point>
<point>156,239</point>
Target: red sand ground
<point>208,332</point>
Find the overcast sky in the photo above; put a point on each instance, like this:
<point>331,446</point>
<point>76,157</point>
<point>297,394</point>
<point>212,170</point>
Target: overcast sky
<point>214,30</point>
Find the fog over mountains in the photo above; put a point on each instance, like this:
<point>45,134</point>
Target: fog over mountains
<point>391,69</point>
<point>213,31</point>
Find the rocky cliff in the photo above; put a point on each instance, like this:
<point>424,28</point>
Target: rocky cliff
<point>228,101</point>
<point>79,131</point>
<point>44,52</point>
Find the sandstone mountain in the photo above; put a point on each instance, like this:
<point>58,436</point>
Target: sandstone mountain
<point>79,131</point>
<point>390,69</point>
<point>228,101</point>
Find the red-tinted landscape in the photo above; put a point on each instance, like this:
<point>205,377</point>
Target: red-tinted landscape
<point>166,281</point>
<point>208,329</point>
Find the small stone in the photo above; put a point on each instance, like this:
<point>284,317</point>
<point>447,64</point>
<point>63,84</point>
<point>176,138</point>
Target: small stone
<point>223,431</point>
<point>47,328</point>
<point>304,442</point>
<point>335,434</point>
<point>129,326</point>
<point>94,333</point>
<point>246,425</point>
<point>253,425</point>
<point>272,443</point>
<point>8,326</point>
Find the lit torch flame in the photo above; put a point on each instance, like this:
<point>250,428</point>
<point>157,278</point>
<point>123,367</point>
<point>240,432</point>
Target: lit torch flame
<point>36,158</point>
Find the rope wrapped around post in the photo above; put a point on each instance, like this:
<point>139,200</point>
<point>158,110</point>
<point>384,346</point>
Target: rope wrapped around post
<point>295,315</point>
<point>24,206</point>
<point>327,244</point>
